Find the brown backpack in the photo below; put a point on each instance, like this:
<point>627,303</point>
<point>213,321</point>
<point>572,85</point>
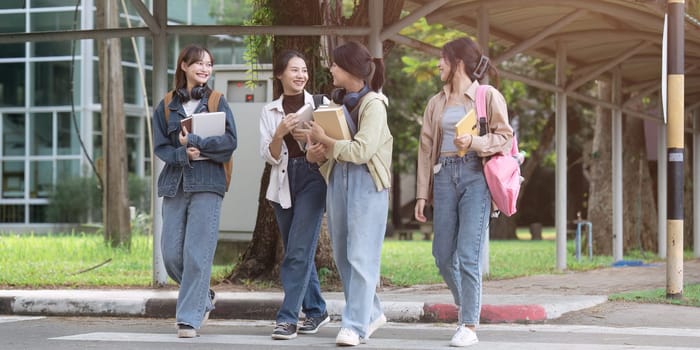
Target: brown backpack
<point>214,99</point>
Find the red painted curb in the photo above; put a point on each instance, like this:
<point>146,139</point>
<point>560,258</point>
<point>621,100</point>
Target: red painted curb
<point>512,313</point>
<point>489,313</point>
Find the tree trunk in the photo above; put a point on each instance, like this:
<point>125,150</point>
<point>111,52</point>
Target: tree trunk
<point>599,170</point>
<point>264,255</point>
<point>638,206</point>
<point>115,199</point>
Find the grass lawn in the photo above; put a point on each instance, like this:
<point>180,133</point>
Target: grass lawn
<point>83,260</point>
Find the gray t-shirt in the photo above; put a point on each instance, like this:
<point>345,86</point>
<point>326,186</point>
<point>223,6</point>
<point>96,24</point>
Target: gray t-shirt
<point>452,115</point>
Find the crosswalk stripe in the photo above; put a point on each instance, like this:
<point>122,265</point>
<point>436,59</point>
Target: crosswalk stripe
<point>7,319</point>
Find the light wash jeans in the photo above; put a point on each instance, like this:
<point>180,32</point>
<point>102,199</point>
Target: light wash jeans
<point>462,205</point>
<point>190,233</point>
<point>357,216</point>
<point>300,226</point>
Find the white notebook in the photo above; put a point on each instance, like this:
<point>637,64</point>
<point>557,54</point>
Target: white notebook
<point>208,124</point>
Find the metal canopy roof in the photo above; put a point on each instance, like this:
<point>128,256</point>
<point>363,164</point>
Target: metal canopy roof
<point>598,36</point>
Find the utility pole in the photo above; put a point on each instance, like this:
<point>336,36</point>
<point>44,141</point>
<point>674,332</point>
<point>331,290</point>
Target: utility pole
<point>115,200</point>
<point>675,148</point>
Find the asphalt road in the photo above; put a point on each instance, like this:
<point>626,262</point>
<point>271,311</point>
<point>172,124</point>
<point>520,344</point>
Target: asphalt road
<point>63,333</point>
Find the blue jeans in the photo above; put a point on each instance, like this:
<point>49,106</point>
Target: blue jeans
<point>461,217</point>
<point>357,216</point>
<point>300,226</point>
<point>190,233</point>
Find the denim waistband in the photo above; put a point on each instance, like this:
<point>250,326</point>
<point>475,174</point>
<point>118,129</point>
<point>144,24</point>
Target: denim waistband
<point>457,159</point>
<point>296,160</point>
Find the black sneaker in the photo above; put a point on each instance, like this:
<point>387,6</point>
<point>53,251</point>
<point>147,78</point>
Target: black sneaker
<point>284,331</point>
<point>312,324</point>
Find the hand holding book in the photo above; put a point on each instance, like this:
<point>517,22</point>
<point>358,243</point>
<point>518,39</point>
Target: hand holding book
<point>467,126</point>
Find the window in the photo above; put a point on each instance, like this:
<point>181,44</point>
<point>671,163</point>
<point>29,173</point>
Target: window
<point>52,85</point>
<point>67,138</point>
<point>13,142</point>
<point>40,178</point>
<point>41,134</point>
<point>12,179</point>
<point>12,83</point>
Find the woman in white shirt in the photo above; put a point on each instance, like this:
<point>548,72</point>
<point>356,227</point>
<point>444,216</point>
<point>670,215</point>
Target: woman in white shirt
<point>297,191</point>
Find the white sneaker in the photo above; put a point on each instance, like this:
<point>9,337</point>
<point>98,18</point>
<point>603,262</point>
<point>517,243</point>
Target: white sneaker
<point>374,325</point>
<point>347,337</point>
<point>464,337</point>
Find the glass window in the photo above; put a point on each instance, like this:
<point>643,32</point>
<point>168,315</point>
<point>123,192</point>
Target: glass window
<point>13,4</point>
<point>132,125</point>
<point>40,178</point>
<point>202,11</point>
<point>177,11</point>
<point>13,179</point>
<point>52,3</point>
<point>12,84</point>
<point>13,141</point>
<point>132,152</point>
<point>51,83</point>
<point>41,134</point>
<point>131,84</point>
<point>12,212</point>
<point>67,138</point>
<point>67,168</point>
<point>55,48</point>
<point>52,21</point>
<point>37,213</point>
<point>12,23</point>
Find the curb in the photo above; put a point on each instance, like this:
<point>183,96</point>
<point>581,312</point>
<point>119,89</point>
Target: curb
<point>264,306</point>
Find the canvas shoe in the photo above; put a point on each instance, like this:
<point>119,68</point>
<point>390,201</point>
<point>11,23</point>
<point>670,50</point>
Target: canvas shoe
<point>186,331</point>
<point>380,321</point>
<point>464,337</point>
<point>284,331</point>
<point>347,337</point>
<point>312,324</point>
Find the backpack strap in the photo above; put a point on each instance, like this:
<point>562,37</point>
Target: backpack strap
<point>481,109</point>
<point>166,102</point>
<point>214,99</point>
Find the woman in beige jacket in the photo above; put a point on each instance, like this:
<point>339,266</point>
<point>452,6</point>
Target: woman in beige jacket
<point>450,175</point>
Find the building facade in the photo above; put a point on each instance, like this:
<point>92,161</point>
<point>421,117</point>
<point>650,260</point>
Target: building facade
<point>50,98</point>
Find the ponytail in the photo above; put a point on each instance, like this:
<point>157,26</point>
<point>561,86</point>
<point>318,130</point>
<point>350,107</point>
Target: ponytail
<point>378,76</point>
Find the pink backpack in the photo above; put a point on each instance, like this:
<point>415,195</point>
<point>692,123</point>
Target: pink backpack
<point>502,172</point>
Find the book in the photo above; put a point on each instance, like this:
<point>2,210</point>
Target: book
<point>332,120</point>
<point>205,125</point>
<point>304,114</point>
<point>467,126</point>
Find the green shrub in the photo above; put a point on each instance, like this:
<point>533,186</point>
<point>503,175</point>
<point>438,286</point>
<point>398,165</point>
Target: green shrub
<point>79,200</point>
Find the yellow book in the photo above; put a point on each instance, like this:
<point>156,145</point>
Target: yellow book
<point>467,126</point>
<point>332,120</point>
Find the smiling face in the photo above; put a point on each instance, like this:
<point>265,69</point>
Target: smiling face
<point>444,68</point>
<point>294,77</point>
<point>341,77</point>
<point>199,71</point>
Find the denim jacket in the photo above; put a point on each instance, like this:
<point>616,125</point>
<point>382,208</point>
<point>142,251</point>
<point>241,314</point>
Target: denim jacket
<point>195,176</point>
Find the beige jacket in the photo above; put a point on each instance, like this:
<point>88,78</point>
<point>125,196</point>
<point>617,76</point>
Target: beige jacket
<point>372,144</point>
<point>497,139</point>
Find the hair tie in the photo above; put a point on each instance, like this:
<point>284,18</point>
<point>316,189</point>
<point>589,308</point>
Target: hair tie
<point>481,67</point>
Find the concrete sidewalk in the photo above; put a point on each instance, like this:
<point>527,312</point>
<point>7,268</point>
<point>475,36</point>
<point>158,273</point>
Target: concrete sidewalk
<point>407,305</point>
<point>519,300</point>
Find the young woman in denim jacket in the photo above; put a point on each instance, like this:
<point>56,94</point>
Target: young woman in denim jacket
<point>358,172</point>
<point>462,202</point>
<point>297,192</point>
<point>192,190</point>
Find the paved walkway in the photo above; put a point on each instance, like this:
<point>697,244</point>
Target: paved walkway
<point>523,300</point>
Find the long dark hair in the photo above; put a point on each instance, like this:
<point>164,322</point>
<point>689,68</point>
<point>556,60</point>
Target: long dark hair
<point>476,65</point>
<point>355,59</point>
<point>189,55</point>
<point>280,65</point>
